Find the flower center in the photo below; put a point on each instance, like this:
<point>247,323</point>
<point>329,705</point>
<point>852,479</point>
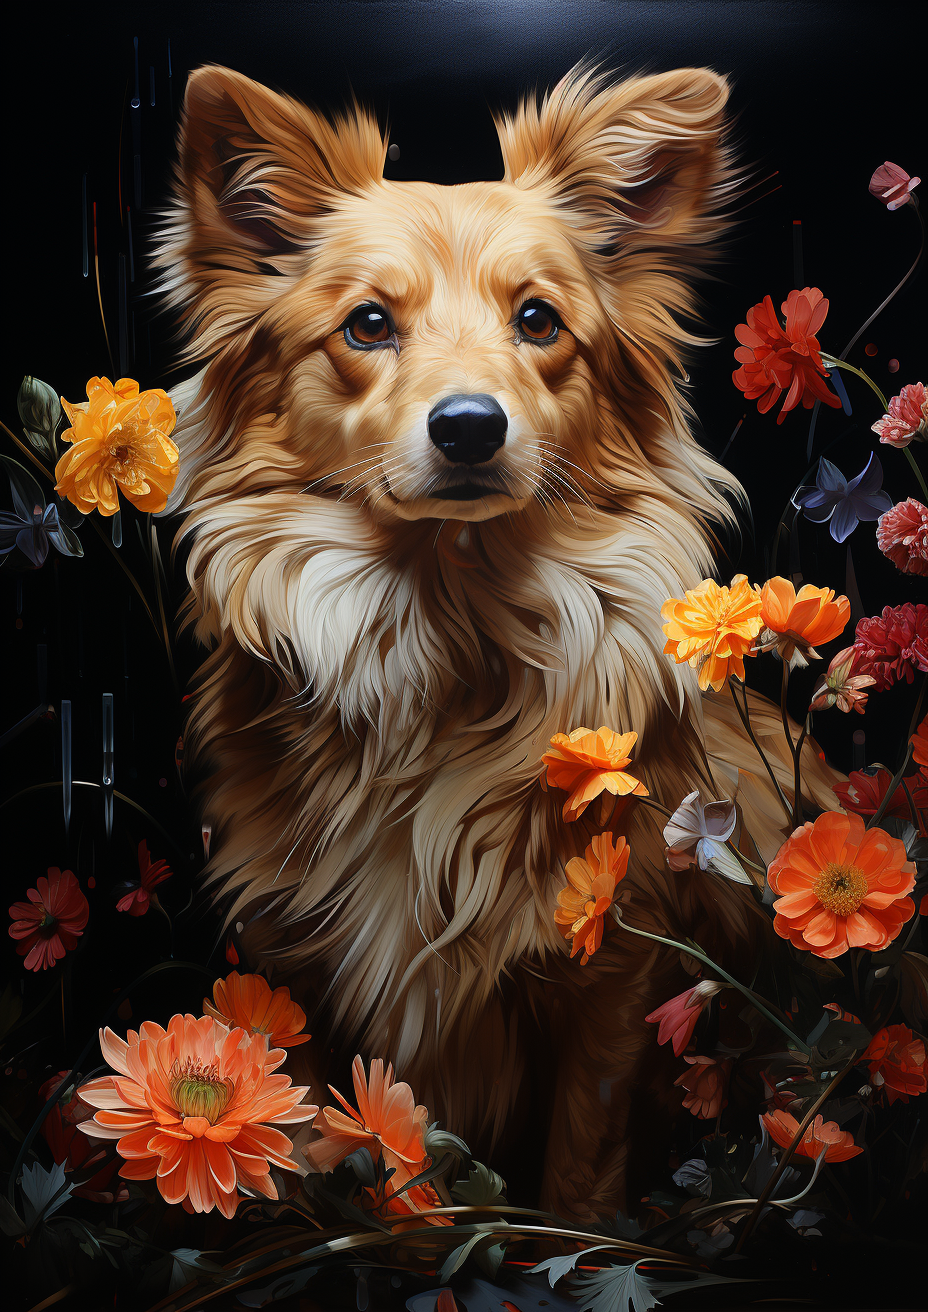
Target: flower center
<point>197,1089</point>
<point>841,888</point>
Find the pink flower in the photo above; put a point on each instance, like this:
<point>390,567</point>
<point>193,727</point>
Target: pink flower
<point>677,1018</point>
<point>892,185</point>
<point>51,922</point>
<point>893,645</point>
<point>907,417</point>
<point>706,1085</point>
<point>138,899</point>
<point>841,686</point>
<point>902,535</point>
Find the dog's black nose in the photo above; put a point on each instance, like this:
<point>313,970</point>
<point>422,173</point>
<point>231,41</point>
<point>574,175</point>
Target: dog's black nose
<point>468,430</point>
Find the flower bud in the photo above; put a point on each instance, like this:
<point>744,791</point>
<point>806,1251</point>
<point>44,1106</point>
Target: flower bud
<point>40,413</point>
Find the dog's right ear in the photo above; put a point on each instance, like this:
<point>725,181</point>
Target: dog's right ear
<point>255,172</point>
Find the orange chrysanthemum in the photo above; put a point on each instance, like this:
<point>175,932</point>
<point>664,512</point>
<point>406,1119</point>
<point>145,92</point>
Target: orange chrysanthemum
<point>795,623</point>
<point>591,883</point>
<point>122,443</point>
<point>713,629</point>
<point>388,1122</point>
<point>841,885</point>
<point>195,1107</point>
<point>248,1002</point>
<point>588,762</point>
<point>821,1136</point>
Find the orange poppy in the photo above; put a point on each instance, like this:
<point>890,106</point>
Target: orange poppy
<point>122,443</point>
<point>713,629</point>
<point>897,1063</point>
<point>588,762</point>
<point>196,1107</point>
<point>920,744</point>
<point>841,885</point>
<point>248,1002</point>
<point>793,623</point>
<point>591,883</point>
<point>821,1136</point>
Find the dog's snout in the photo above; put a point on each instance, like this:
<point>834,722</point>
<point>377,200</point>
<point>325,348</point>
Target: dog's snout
<point>468,430</point>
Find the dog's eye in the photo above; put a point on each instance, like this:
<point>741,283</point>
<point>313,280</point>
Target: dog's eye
<point>369,325</point>
<point>538,322</point>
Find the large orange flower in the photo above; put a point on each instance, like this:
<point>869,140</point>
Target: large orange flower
<point>587,762</point>
<point>841,885</point>
<point>388,1122</point>
<point>794,623</point>
<point>591,885</point>
<point>713,629</point>
<point>121,444</point>
<point>821,1136</point>
<point>247,1001</point>
<point>195,1107</point>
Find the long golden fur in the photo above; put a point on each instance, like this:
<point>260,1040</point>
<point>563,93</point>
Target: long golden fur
<point>386,667</point>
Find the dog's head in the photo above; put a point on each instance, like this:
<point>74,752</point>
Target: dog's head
<point>432,352</point>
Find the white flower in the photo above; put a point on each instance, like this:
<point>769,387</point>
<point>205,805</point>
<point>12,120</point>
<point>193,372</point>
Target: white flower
<point>698,832</point>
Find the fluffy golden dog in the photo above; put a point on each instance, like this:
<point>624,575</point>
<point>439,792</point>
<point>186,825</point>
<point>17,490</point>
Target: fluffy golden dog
<point>438,478</point>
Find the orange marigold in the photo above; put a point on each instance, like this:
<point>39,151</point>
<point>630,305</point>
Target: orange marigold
<point>588,762</point>
<point>591,883</point>
<point>121,443</point>
<point>794,623</point>
<point>841,885</point>
<point>713,629</point>
<point>388,1122</point>
<point>196,1107</point>
<point>821,1136</point>
<point>249,1002</point>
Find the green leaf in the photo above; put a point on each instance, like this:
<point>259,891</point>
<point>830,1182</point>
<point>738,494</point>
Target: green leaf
<point>555,1268</point>
<point>458,1256</point>
<point>482,1188</point>
<point>616,1289</point>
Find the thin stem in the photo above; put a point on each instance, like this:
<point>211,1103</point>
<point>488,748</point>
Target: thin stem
<point>655,806</point>
<point>746,721</point>
<point>788,1152</point>
<point>692,951</point>
<point>918,473</point>
<point>26,452</point>
<point>898,287</point>
<point>833,363</point>
<point>897,777</point>
<point>128,573</point>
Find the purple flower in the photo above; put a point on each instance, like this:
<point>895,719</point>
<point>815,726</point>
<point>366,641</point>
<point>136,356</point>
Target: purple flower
<point>33,527</point>
<point>842,504</point>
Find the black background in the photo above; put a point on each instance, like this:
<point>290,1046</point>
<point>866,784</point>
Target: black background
<point>822,94</point>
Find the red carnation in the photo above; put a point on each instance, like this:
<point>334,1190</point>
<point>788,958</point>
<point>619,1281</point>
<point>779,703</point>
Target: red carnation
<point>774,358</point>
<point>140,892</point>
<point>893,645</point>
<point>902,535</point>
<point>51,922</point>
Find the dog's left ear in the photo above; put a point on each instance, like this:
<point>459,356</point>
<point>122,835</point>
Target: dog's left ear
<point>638,162</point>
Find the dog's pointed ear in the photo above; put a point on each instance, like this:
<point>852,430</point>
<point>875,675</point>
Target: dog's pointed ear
<point>255,171</point>
<point>639,162</point>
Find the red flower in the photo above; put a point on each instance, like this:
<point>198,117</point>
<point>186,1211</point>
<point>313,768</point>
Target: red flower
<point>51,922</point>
<point>677,1018</point>
<point>897,1063</point>
<point>706,1085</point>
<point>920,744</point>
<point>864,792</point>
<point>821,1137</point>
<point>774,358</point>
<point>902,535</point>
<point>907,417</point>
<point>74,1150</point>
<point>893,186</point>
<point>893,645</point>
<point>138,899</point>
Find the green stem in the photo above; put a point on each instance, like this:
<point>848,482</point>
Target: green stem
<point>745,718</point>
<point>897,777</point>
<point>691,951</point>
<point>917,472</point>
<point>833,363</point>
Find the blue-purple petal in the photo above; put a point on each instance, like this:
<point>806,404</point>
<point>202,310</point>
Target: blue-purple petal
<point>843,521</point>
<point>829,478</point>
<point>869,480</point>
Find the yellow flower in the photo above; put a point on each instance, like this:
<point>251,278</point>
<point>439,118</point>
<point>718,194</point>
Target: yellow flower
<point>713,629</point>
<point>121,444</point>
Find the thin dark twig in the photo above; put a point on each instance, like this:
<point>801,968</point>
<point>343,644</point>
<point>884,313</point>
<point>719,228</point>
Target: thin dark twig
<point>745,718</point>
